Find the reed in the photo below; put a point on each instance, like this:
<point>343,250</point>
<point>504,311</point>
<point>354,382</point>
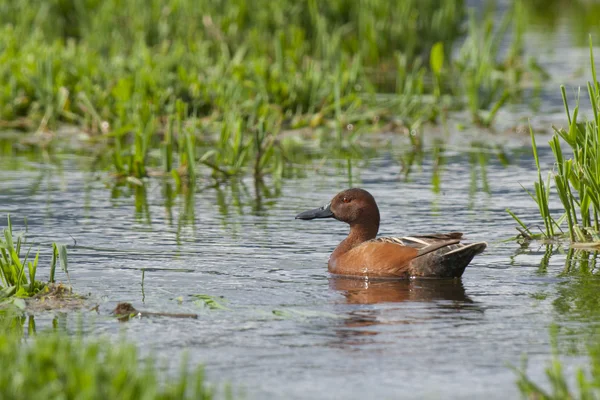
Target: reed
<point>18,271</point>
<point>487,78</point>
<point>577,178</point>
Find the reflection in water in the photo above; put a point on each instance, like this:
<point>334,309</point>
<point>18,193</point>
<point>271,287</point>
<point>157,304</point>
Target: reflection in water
<point>263,191</point>
<point>551,16</point>
<point>12,320</point>
<point>479,157</point>
<point>579,295</point>
<point>450,293</point>
<point>15,321</point>
<point>439,160</point>
<point>260,197</point>
<point>187,217</point>
<point>137,189</point>
<point>142,210</point>
<point>578,301</point>
<point>361,291</point>
<point>169,197</point>
<point>524,249</point>
<point>581,262</point>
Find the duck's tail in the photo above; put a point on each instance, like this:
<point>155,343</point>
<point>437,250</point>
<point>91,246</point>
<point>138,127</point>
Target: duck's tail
<point>447,261</point>
<point>455,261</point>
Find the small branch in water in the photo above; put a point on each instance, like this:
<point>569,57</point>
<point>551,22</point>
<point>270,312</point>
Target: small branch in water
<point>125,311</point>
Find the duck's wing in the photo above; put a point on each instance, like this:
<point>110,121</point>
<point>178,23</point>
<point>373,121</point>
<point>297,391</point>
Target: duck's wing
<point>438,254</point>
<point>425,243</point>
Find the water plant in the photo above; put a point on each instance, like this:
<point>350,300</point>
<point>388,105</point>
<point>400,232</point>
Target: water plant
<point>577,178</point>
<point>18,272</point>
<point>12,266</point>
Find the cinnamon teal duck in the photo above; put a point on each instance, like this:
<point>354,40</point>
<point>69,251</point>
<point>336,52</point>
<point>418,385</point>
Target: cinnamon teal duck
<point>362,254</point>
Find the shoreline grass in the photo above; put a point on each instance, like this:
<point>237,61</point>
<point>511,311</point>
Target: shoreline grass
<point>576,179</point>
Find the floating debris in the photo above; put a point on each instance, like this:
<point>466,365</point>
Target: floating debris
<point>56,296</point>
<point>125,311</point>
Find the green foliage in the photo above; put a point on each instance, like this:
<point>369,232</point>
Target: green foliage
<point>577,179</point>
<point>55,366</point>
<point>167,85</point>
<point>17,273</point>
<point>487,79</point>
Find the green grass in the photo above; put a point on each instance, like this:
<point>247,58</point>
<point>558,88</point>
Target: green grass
<point>18,271</point>
<point>486,83</point>
<point>51,365</point>
<point>577,178</point>
<point>183,87</point>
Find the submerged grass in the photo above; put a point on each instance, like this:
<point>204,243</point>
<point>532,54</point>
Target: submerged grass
<point>576,179</point>
<point>172,86</point>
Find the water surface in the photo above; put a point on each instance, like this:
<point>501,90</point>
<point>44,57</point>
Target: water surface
<point>290,330</point>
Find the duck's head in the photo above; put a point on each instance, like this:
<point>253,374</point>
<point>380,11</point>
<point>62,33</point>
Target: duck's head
<point>353,206</point>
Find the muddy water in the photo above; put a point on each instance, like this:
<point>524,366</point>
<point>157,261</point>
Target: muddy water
<point>289,330</point>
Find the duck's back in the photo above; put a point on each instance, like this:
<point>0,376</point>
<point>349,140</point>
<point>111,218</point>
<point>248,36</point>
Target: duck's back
<point>437,255</point>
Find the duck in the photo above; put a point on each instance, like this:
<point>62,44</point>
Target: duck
<point>364,255</point>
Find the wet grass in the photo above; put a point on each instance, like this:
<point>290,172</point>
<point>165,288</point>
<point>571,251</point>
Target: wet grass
<point>52,365</point>
<point>576,179</point>
<point>176,88</point>
<point>18,271</point>
<point>486,84</point>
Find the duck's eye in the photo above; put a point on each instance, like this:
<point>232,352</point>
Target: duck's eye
<point>346,200</point>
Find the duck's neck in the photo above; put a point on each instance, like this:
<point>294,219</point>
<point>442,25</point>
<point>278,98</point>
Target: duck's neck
<point>359,233</point>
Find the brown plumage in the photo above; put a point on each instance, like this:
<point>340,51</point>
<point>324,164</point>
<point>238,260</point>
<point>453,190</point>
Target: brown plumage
<point>362,254</point>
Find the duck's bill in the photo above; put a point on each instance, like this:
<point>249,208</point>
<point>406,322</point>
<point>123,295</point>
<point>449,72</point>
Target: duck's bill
<point>321,212</point>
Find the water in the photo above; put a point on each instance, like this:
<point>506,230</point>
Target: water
<point>290,330</point>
